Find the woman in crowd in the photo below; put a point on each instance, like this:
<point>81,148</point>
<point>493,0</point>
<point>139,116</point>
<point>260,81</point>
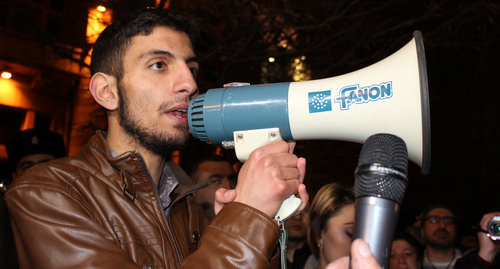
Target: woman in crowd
<point>331,221</point>
<point>406,253</point>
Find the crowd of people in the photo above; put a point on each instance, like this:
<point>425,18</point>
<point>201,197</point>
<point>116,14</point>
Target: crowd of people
<point>122,204</point>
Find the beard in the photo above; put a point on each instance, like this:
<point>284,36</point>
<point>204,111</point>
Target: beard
<point>155,140</point>
<point>442,244</point>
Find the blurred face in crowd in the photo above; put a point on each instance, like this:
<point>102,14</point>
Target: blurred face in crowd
<point>296,226</point>
<point>29,161</point>
<point>403,256</point>
<point>218,175</point>
<point>439,229</point>
<point>336,239</point>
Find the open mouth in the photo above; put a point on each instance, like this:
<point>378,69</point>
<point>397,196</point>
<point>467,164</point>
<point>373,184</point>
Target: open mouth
<point>179,113</point>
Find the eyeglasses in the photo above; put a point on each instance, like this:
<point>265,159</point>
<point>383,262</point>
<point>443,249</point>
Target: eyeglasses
<point>437,219</point>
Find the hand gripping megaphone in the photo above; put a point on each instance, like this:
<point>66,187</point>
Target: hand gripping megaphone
<point>390,96</point>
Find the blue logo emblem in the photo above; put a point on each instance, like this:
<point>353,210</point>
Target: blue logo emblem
<point>320,101</point>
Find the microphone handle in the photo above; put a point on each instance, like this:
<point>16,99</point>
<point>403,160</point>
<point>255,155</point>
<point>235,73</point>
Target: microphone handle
<point>375,223</point>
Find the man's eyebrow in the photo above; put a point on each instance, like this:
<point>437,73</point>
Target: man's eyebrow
<point>26,163</point>
<point>192,59</point>
<point>158,52</point>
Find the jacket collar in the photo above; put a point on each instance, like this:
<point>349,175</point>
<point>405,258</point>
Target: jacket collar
<point>131,163</point>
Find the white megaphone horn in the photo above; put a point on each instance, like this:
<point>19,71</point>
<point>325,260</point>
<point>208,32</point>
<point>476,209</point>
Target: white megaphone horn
<point>390,96</point>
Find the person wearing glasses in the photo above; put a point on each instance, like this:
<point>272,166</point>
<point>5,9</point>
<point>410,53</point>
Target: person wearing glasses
<point>439,232</point>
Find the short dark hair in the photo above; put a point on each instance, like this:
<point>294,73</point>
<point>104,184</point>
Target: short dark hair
<point>209,158</point>
<point>430,207</point>
<point>34,141</point>
<point>413,243</point>
<point>112,43</point>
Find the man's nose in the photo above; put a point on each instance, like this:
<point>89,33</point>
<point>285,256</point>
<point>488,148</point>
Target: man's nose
<point>186,83</point>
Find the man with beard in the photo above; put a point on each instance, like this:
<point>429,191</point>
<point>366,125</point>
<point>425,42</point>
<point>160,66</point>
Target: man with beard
<point>120,203</point>
<point>439,232</point>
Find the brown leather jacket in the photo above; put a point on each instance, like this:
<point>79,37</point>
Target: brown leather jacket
<point>99,211</point>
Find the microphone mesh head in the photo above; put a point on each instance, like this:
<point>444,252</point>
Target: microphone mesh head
<point>389,151</point>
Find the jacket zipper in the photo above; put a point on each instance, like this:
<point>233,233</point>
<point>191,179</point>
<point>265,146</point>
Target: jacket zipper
<point>172,203</point>
<point>157,196</point>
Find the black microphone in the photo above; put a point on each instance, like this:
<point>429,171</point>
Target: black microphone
<point>380,184</point>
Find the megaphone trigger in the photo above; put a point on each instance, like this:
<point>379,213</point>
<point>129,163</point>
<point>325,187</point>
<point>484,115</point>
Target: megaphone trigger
<point>247,141</point>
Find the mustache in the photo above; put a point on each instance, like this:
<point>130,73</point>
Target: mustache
<point>441,230</point>
<point>167,105</point>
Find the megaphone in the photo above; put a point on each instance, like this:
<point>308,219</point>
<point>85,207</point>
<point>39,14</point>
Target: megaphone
<point>390,96</point>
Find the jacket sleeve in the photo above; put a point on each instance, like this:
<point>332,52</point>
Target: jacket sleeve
<point>238,237</point>
<point>473,261</point>
<point>69,238</point>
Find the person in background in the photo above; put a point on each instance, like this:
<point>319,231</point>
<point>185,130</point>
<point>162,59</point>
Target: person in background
<point>297,249</point>
<point>25,149</point>
<point>415,228</point>
<point>31,147</point>
<point>439,232</point>
<point>331,223</point>
<point>214,172</point>
<point>406,252</point>
<point>488,254</point>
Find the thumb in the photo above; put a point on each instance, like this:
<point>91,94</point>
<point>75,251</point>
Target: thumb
<point>222,197</point>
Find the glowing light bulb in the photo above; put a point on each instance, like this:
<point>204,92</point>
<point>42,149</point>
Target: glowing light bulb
<point>6,75</point>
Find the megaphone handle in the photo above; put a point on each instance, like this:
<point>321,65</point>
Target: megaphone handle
<point>247,141</point>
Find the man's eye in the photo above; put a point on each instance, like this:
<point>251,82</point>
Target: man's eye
<point>26,167</point>
<point>194,72</point>
<point>158,66</point>
<point>215,182</point>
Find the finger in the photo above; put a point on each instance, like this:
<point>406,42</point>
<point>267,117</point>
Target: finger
<point>291,146</point>
<point>280,160</point>
<point>270,149</point>
<point>361,255</point>
<point>287,173</point>
<point>223,197</point>
<point>486,219</point>
<point>304,196</point>
<point>301,166</point>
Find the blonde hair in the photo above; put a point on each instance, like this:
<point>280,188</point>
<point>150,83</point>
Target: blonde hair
<point>327,203</point>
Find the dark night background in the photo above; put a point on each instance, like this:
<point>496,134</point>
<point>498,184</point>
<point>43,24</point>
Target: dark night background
<point>462,42</point>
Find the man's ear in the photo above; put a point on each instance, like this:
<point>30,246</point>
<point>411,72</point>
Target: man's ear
<point>104,90</point>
